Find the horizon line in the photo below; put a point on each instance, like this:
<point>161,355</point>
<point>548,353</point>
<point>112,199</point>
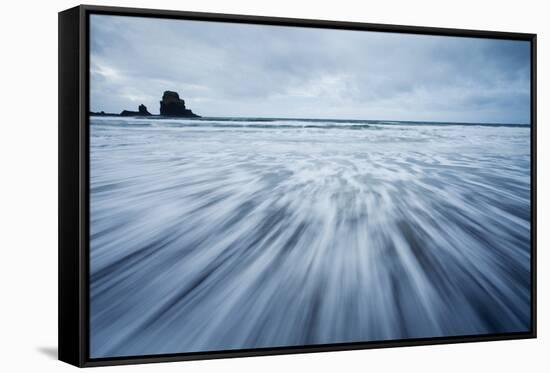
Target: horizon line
<point>319,119</point>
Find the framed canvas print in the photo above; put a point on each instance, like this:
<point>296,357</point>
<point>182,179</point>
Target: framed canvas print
<point>237,186</point>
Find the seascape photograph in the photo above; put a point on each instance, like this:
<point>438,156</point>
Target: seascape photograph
<point>257,186</point>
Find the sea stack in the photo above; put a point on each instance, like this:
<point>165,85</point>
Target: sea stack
<point>173,106</point>
<point>142,112</point>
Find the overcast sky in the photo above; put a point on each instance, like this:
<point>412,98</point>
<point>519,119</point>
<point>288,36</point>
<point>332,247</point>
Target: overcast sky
<point>224,69</point>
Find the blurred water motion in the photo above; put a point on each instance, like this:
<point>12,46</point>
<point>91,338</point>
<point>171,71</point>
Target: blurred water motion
<point>215,235</point>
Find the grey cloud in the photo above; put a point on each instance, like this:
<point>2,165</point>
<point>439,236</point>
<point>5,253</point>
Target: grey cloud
<point>224,69</point>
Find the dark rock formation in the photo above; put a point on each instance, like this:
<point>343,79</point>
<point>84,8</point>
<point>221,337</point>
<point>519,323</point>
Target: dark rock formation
<point>142,112</point>
<point>172,106</point>
<point>103,114</point>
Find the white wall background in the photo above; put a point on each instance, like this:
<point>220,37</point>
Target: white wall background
<point>28,185</point>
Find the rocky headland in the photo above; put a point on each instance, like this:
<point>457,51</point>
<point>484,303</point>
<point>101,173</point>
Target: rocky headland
<point>142,112</point>
<point>171,106</point>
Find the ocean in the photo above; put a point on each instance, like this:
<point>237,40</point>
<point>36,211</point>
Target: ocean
<point>232,233</point>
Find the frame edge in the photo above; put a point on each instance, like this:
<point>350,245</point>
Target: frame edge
<point>69,258</point>
<point>534,281</point>
<point>305,22</point>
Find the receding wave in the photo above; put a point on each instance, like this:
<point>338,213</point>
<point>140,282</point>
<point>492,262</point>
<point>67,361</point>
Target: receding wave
<point>277,126</point>
<point>209,239</point>
<point>277,123</point>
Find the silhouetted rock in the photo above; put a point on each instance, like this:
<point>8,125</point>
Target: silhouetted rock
<point>142,112</point>
<point>103,114</point>
<point>172,106</point>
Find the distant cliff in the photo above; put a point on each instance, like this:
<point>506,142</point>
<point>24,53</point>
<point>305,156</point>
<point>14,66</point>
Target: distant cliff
<point>173,106</point>
<point>170,106</point>
<point>142,112</point>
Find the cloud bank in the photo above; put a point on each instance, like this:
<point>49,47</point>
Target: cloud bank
<point>224,69</point>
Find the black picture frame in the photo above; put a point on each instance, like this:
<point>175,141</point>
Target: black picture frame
<point>74,183</point>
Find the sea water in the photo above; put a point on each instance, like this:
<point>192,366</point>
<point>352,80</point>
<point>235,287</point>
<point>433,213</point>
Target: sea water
<point>228,233</point>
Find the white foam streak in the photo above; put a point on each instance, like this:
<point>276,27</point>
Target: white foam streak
<point>214,238</point>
